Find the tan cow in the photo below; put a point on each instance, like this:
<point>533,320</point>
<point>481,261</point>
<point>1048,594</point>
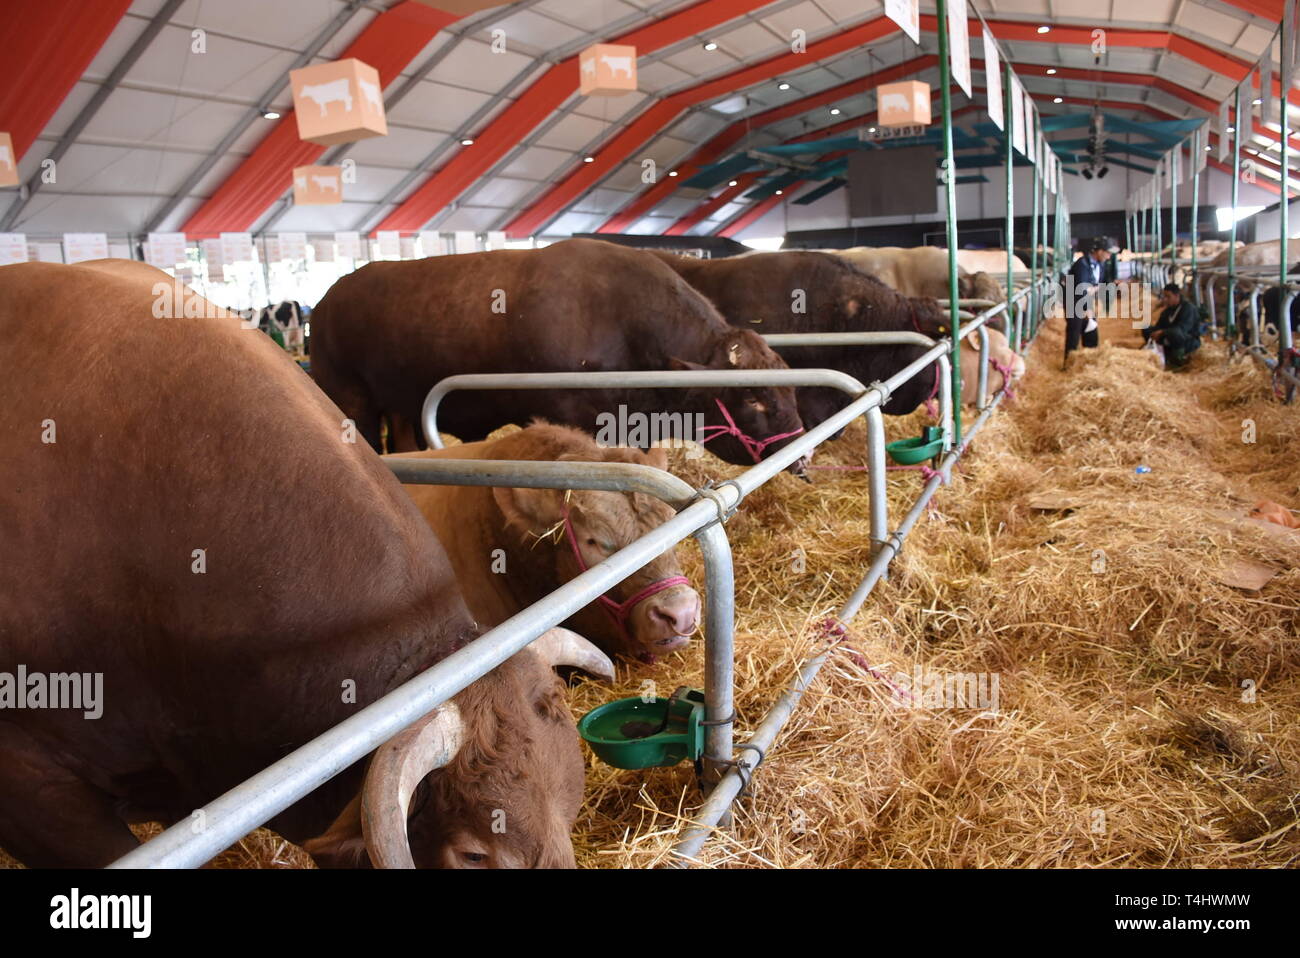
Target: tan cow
<point>1004,363</point>
<point>538,555</point>
<point>919,271</point>
<point>992,262</point>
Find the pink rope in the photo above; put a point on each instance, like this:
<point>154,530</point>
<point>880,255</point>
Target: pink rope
<point>754,447</point>
<point>836,632</point>
<point>619,611</point>
<point>1006,377</point>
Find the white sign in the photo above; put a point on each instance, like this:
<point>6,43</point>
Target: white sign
<point>271,250</point>
<point>293,245</point>
<point>324,250</point>
<point>49,253</point>
<point>349,244</point>
<point>13,248</point>
<point>430,243</point>
<point>165,250</point>
<point>496,239</point>
<point>79,247</point>
<point>1199,147</point>
<point>959,44</point>
<point>408,247</point>
<point>1031,130</point>
<point>1266,85</point>
<point>390,244</point>
<point>993,79</point>
<point>1223,130</point>
<point>212,256</point>
<point>907,14</point>
<point>1017,114</point>
<point>237,247</point>
<point>465,242</point>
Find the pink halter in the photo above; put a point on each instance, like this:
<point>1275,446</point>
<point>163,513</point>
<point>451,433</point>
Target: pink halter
<point>619,612</point>
<point>1006,376</point>
<point>754,447</point>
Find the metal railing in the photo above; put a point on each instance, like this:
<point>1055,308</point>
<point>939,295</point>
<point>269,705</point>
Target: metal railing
<point>701,515</point>
<point>1253,281</point>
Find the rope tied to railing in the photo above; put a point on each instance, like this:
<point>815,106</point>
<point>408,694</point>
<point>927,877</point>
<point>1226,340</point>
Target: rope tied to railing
<point>753,446</point>
<point>836,632</point>
<point>1005,370</point>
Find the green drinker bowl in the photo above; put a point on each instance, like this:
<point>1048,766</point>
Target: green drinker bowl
<point>909,452</point>
<point>632,733</point>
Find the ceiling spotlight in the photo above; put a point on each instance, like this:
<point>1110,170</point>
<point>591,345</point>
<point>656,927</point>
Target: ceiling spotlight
<point>783,86</point>
<point>1232,129</point>
<point>1087,173</point>
<point>710,46</point>
<point>1207,149</point>
<point>871,129</point>
<point>1057,99</point>
<point>672,172</point>
<point>270,115</point>
<point>1102,172</point>
<point>589,159</point>
<point>468,141</point>
<point>835,111</point>
<point>1051,71</point>
<point>1044,29</point>
<point>733,183</point>
<point>1256,102</point>
<point>780,192</point>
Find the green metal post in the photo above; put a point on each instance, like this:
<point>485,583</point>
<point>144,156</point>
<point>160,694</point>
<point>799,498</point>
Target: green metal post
<point>1033,246</point>
<point>1232,237</point>
<point>1019,332</point>
<point>1283,217</point>
<point>950,195</point>
<point>1173,211</point>
<point>1195,159</point>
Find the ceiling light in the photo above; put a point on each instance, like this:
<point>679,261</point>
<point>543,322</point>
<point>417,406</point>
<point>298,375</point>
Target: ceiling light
<point>1057,99</point>
<point>1087,174</point>
<point>1256,102</point>
<point>710,46</point>
<point>589,159</point>
<point>468,141</point>
<point>270,115</point>
<point>1103,171</point>
<point>783,86</point>
<point>1207,149</point>
<point>1232,129</point>
<point>1051,71</point>
<point>835,111</point>
<point>780,192</point>
<point>1044,29</point>
<point>871,129</point>
<point>733,183</point>
<point>672,172</point>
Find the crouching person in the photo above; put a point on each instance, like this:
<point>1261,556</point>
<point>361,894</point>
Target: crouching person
<point>1177,329</point>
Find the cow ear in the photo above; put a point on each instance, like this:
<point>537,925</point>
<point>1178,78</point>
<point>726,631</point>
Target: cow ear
<point>534,510</point>
<point>342,845</point>
<point>676,363</point>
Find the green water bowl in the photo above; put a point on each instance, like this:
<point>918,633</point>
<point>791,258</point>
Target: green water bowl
<point>917,449</point>
<point>623,733</point>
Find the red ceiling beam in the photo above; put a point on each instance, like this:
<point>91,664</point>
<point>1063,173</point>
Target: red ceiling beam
<point>389,44</point>
<point>51,44</point>
<point>538,102</point>
<point>719,144</point>
<point>710,206</point>
<point>652,121</point>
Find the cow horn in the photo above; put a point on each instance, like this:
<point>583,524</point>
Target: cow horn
<point>397,768</point>
<point>560,646</point>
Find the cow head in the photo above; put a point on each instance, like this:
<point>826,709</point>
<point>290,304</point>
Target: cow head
<point>760,412</point>
<point>492,779</point>
<point>601,524</point>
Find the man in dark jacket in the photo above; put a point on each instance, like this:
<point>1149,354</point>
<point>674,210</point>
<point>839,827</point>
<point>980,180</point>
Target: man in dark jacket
<point>1081,309</point>
<point>1177,329</point>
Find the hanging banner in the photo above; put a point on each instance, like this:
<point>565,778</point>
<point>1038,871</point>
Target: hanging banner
<point>79,247</point>
<point>13,248</point>
<point>349,244</point>
<point>1266,85</point>
<point>237,247</point>
<point>323,250</point>
<point>1017,114</point>
<point>993,79</point>
<point>216,263</point>
<point>430,243</point>
<point>959,44</point>
<point>907,14</point>
<point>1223,130</point>
<point>1202,147</point>
<point>390,244</point>
<point>166,250</point>
<point>1031,142</point>
<point>293,245</point>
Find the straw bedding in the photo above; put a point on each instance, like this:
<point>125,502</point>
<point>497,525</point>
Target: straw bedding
<point>1146,713</point>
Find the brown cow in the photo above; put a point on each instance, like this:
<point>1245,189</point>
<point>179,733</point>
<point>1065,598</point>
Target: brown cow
<point>800,291</point>
<point>528,526</point>
<point>184,518</point>
<point>384,335</point>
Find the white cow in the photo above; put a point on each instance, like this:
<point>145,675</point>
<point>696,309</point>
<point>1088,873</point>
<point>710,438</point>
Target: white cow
<point>371,92</point>
<point>5,156</point>
<point>326,182</point>
<point>893,103</point>
<point>617,65</point>
<point>589,67</point>
<point>300,182</point>
<point>336,91</point>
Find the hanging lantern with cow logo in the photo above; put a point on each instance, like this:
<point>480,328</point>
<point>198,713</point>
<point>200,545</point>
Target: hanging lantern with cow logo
<point>8,162</point>
<point>903,104</point>
<point>608,69</point>
<point>317,185</point>
<point>338,102</point>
